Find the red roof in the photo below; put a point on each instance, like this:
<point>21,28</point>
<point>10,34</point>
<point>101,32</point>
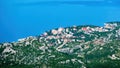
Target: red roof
<point>84,28</point>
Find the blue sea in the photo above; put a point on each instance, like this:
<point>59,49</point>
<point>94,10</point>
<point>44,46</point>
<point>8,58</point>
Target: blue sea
<point>23,18</point>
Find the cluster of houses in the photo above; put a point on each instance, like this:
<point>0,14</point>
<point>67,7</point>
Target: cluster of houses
<point>59,31</point>
<point>100,41</point>
<point>110,26</point>
<point>89,29</point>
<point>27,40</point>
<point>57,34</point>
<point>65,34</point>
<point>107,27</point>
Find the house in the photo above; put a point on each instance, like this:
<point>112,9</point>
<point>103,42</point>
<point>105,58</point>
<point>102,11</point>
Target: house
<point>99,41</point>
<point>27,43</point>
<point>54,32</point>
<point>84,29</point>
<point>57,37</point>
<point>106,30</point>
<point>65,40</point>
<point>107,25</point>
<point>60,30</point>
<point>81,41</point>
<point>82,36</point>
<point>45,34</point>
<point>92,29</point>
<point>113,57</point>
<point>100,29</point>
<point>97,29</point>
<point>110,26</point>
<point>64,50</point>
<point>22,39</point>
<point>74,29</point>
<point>87,29</point>
<point>86,47</point>
<point>67,30</point>
<point>59,42</point>
<point>69,35</point>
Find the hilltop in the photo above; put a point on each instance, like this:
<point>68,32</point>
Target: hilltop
<point>85,46</point>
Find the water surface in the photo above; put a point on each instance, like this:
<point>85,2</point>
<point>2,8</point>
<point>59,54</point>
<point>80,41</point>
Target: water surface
<point>19,19</point>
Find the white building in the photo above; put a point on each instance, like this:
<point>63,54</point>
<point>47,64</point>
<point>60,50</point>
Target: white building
<point>21,40</point>
<point>67,30</point>
<point>113,57</point>
<point>68,35</point>
<point>60,29</point>
<point>54,32</point>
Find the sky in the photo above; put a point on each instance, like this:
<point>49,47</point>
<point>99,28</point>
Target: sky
<point>23,18</point>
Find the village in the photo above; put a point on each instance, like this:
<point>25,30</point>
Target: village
<point>63,36</point>
<point>88,29</point>
<point>62,33</point>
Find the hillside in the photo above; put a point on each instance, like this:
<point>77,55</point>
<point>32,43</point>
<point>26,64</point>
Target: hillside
<point>86,46</point>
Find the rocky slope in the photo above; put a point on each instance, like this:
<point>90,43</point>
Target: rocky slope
<point>85,46</point>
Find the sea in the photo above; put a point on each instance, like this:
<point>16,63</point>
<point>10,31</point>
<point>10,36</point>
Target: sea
<point>23,18</point>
